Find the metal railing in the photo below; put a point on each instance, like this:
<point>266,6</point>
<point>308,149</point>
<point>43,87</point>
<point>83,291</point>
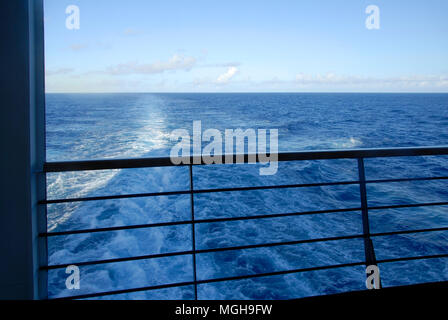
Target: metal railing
<point>364,208</point>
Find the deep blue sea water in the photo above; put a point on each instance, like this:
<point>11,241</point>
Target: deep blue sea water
<point>92,126</point>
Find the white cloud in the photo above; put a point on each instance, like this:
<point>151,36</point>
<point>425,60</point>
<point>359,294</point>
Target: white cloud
<point>177,62</point>
<point>329,78</point>
<point>404,82</point>
<point>78,46</point>
<point>131,32</point>
<point>229,74</point>
<point>220,65</point>
<point>59,71</point>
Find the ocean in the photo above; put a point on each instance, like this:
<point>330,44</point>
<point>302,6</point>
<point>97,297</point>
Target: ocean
<point>108,126</point>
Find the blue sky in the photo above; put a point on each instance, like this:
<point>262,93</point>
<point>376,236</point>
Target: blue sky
<point>247,46</point>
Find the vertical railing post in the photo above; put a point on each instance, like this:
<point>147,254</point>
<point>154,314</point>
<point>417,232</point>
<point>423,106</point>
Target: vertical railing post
<point>38,145</point>
<point>368,244</point>
<point>193,236</point>
<point>42,226</point>
<point>22,129</point>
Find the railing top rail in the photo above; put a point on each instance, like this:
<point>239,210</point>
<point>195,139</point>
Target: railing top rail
<point>109,164</point>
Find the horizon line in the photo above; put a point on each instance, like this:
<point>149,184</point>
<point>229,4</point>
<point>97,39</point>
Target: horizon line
<point>251,92</point>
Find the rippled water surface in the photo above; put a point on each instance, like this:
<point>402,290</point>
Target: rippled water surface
<point>92,126</point>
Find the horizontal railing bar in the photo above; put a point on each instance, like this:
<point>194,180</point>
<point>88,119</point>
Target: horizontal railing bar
<point>202,251</point>
<point>433,256</point>
<point>199,191</point>
<point>392,233</point>
<point>119,228</point>
<point>277,273</point>
<point>411,205</point>
<point>293,156</point>
<point>406,180</point>
<point>117,260</point>
<point>344,265</point>
<point>235,248</point>
<point>215,220</point>
<point>199,282</point>
<point>235,189</point>
<point>285,186</point>
<point>124,291</point>
<point>276,215</point>
<point>123,196</point>
<point>185,192</point>
<point>259,275</point>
